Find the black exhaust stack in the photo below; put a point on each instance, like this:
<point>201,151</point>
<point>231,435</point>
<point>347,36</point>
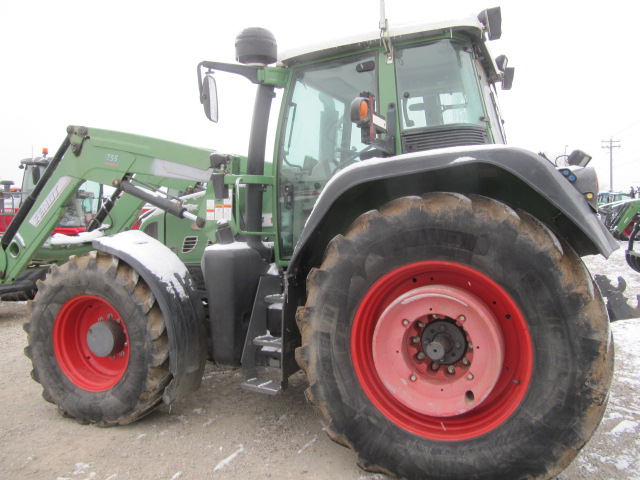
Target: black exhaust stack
<point>257,46</point>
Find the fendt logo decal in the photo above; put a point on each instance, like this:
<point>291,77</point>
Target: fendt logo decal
<point>49,200</point>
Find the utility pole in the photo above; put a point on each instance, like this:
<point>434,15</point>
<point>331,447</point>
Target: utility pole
<point>610,145</point>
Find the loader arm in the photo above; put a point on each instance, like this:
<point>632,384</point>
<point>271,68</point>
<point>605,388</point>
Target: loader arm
<point>107,157</point>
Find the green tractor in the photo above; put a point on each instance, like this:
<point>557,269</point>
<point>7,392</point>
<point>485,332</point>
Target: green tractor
<point>425,276</point>
<point>620,217</point>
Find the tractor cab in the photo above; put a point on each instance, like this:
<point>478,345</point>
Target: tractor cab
<point>426,87</point>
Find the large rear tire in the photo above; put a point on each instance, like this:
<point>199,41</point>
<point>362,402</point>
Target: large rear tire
<point>452,337</point>
<point>97,341</point>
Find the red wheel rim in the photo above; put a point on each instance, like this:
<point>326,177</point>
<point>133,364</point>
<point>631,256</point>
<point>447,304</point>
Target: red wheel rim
<point>395,338</point>
<point>73,352</point>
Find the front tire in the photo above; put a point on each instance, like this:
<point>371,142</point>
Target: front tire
<point>97,341</point>
<point>452,337</point>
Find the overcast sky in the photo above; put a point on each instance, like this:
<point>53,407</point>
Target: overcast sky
<point>130,65</point>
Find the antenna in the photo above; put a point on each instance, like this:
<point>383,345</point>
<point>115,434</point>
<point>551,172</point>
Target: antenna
<point>384,34</point>
<point>384,24</point>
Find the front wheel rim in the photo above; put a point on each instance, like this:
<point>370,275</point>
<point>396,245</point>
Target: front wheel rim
<point>90,366</point>
<point>469,391</point>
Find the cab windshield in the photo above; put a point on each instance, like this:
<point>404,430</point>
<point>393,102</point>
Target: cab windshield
<point>437,86</point>
<point>319,138</point>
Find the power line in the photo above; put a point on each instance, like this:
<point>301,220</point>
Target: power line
<point>627,163</point>
<point>609,145</point>
<point>627,127</point>
<point>628,156</point>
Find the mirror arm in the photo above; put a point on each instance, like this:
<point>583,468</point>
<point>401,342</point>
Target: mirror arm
<point>247,71</point>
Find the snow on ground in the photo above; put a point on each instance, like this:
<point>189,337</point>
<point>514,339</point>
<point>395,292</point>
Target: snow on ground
<point>614,451</point>
<point>614,267</point>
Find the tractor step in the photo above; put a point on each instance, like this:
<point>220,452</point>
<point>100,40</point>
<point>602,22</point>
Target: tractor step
<point>272,344</point>
<point>274,299</point>
<point>262,354</point>
<point>262,385</point>
<point>268,356</point>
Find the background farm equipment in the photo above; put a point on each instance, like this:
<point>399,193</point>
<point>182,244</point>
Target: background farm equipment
<point>620,217</point>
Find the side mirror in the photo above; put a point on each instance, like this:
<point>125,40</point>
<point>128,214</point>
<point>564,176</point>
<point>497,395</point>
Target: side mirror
<point>507,72</point>
<point>507,78</point>
<point>209,98</point>
<point>491,19</point>
<point>501,62</point>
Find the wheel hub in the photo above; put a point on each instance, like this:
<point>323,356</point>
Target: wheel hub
<point>439,350</point>
<point>105,338</point>
<point>444,342</point>
<point>91,343</point>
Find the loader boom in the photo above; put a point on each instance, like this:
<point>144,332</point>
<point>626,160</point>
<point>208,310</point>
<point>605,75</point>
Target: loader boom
<point>127,162</point>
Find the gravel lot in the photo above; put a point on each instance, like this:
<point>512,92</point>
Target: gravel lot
<point>221,431</point>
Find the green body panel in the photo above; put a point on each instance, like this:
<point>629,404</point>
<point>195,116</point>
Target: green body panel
<point>273,76</point>
<point>187,243</point>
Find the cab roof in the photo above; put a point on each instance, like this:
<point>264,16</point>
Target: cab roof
<point>469,25</point>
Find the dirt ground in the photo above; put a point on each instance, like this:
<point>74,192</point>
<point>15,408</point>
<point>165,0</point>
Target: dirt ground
<point>222,431</point>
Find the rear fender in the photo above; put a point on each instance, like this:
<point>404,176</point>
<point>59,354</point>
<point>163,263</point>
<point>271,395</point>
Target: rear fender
<point>514,176</point>
<point>178,299</point>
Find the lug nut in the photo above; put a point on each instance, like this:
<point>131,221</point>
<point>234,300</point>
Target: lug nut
<point>435,366</point>
<point>451,369</point>
<point>109,316</point>
<point>100,319</point>
<point>470,346</point>
<point>415,339</point>
<point>465,361</point>
<point>435,316</point>
<point>421,324</point>
<point>121,353</point>
<point>421,356</point>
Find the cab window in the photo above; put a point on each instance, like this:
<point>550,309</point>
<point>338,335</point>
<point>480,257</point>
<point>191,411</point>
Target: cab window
<point>319,138</point>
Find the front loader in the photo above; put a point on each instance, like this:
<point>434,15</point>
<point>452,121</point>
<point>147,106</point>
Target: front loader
<point>78,211</point>
<point>425,276</point>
